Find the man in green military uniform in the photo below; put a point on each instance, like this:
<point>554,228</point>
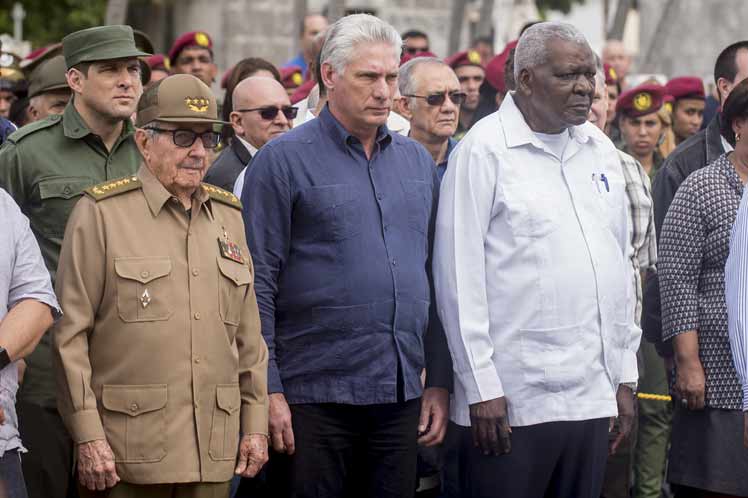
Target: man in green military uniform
<point>46,166</point>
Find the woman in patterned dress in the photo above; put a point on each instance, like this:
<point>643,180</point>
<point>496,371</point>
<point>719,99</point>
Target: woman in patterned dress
<point>707,458</point>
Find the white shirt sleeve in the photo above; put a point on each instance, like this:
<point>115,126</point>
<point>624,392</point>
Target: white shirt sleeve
<point>466,207</point>
<point>736,294</point>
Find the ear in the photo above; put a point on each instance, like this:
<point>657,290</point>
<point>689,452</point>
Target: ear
<point>236,123</point>
<point>213,71</point>
<point>524,82</point>
<point>405,107</point>
<point>723,88</point>
<point>76,80</point>
<point>143,142</point>
<point>33,112</point>
<point>738,126</point>
<point>329,76</point>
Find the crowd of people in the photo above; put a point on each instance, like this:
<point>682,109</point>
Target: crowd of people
<point>371,271</point>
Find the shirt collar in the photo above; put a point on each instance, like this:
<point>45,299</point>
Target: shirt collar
<point>157,196</point>
<point>251,148</point>
<point>343,137</point>
<point>517,132</point>
<point>450,146</point>
<point>74,127</point>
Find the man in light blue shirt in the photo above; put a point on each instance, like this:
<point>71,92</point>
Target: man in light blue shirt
<point>533,280</point>
<point>27,306</point>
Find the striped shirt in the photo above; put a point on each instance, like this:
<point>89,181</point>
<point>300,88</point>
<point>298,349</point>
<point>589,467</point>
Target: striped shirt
<point>736,293</point>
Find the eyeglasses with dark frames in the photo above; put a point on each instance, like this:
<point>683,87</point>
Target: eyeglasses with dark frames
<point>436,99</point>
<point>415,50</point>
<point>269,112</point>
<point>185,138</point>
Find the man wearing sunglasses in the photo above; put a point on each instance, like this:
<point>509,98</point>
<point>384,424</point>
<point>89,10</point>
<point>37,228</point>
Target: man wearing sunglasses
<point>161,364</point>
<point>431,102</point>
<point>261,111</point>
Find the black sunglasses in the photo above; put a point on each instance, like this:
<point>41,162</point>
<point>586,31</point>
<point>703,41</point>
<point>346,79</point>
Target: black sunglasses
<point>269,112</point>
<point>415,50</point>
<point>185,138</point>
<point>435,99</point>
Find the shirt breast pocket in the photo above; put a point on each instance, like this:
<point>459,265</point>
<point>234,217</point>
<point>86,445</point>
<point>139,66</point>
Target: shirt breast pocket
<point>58,196</point>
<point>418,203</point>
<point>234,279</point>
<point>332,212</point>
<point>144,286</point>
<point>531,209</point>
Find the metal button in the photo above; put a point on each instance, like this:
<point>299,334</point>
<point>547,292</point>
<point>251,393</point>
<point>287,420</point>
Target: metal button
<point>197,360</point>
<point>197,316</point>
<point>195,406</point>
<point>66,190</point>
<point>144,274</point>
<point>195,272</point>
<point>189,233</point>
<point>134,407</point>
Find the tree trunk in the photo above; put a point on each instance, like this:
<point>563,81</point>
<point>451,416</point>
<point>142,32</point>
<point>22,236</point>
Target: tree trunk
<point>455,30</point>
<point>619,21</point>
<point>485,23</point>
<point>300,10</point>
<point>116,12</point>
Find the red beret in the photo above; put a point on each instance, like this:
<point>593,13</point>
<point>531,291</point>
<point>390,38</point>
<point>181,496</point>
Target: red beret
<point>464,58</point>
<point>409,57</point>
<point>611,77</point>
<point>291,76</point>
<point>158,61</point>
<point>226,76</point>
<point>193,38</point>
<point>641,100</point>
<point>686,87</point>
<point>302,92</point>
<point>495,68</point>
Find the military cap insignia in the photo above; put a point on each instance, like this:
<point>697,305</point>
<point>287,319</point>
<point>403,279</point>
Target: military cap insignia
<point>223,196</point>
<point>668,106</point>
<point>197,104</point>
<point>167,63</point>
<point>113,187</point>
<point>642,101</point>
<point>612,73</point>
<point>202,39</point>
<point>297,79</point>
<point>473,57</point>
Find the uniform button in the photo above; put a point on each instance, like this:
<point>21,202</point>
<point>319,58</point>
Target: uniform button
<point>144,274</point>
<point>66,190</point>
<point>380,196</point>
<point>189,233</point>
<point>197,360</point>
<point>134,407</point>
<point>195,406</point>
<point>195,272</point>
<point>197,316</point>
<point>386,227</point>
<point>394,262</point>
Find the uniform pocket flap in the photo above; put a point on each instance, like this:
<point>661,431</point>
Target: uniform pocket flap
<point>134,400</point>
<point>65,188</point>
<point>228,398</point>
<point>142,269</point>
<point>237,273</point>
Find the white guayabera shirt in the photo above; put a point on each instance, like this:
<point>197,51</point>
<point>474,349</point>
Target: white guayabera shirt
<point>532,272</point>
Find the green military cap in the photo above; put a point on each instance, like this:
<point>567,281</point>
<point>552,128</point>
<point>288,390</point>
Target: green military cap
<point>180,98</point>
<point>100,43</point>
<point>48,76</point>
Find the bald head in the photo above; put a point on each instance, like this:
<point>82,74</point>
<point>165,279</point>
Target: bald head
<point>249,96</point>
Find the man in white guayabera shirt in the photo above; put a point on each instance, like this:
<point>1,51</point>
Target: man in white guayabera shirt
<point>27,307</point>
<point>533,281</point>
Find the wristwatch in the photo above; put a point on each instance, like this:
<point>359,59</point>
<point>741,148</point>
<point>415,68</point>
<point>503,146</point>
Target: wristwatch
<point>4,358</point>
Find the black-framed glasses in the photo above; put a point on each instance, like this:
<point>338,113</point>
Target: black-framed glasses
<point>185,138</point>
<point>415,50</point>
<point>269,112</point>
<point>435,99</point>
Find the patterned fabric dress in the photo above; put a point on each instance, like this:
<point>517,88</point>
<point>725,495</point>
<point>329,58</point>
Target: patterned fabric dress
<point>706,446</point>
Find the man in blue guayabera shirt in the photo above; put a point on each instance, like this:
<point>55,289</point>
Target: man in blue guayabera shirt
<point>340,214</point>
<point>27,306</point>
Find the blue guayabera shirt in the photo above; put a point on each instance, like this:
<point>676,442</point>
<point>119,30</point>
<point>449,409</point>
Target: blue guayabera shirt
<point>342,247</point>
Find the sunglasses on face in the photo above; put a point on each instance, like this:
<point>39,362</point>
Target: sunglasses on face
<point>415,50</point>
<point>436,99</point>
<point>269,112</point>
<point>185,138</point>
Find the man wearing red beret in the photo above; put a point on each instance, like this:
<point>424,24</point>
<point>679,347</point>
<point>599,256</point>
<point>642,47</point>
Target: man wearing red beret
<point>688,106</point>
<point>641,128</point>
<point>468,66</point>
<point>291,78</point>
<point>192,53</point>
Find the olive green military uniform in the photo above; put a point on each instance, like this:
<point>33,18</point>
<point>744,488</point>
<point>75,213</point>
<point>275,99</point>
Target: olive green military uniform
<point>45,166</point>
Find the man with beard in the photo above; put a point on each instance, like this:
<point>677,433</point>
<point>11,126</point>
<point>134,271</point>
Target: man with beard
<point>533,281</point>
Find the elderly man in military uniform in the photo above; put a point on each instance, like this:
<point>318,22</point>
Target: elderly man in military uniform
<point>162,364</point>
<point>45,167</point>
<point>49,92</point>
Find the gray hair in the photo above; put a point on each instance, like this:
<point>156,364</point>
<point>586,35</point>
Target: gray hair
<point>599,71</point>
<point>533,50</point>
<point>406,80</point>
<point>348,32</point>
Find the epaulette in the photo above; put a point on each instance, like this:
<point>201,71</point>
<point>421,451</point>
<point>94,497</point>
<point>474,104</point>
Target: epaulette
<point>30,128</point>
<point>223,196</point>
<point>113,187</point>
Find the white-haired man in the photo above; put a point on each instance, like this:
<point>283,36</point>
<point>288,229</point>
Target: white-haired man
<point>533,280</point>
<point>339,215</point>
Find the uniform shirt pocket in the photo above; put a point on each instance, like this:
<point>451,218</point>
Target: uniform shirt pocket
<point>58,196</point>
<point>234,279</point>
<point>144,285</point>
<point>332,212</point>
<point>134,418</point>
<point>224,434</point>
<point>531,209</point>
<point>418,196</point>
<point>550,357</point>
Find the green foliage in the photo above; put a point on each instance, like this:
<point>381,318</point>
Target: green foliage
<point>562,5</point>
<point>47,21</point>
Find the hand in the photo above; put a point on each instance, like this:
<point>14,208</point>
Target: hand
<point>690,384</point>
<point>490,426</point>
<point>281,431</point>
<point>96,469</point>
<point>21,365</point>
<point>626,413</point>
<point>434,412</point>
<point>253,454</point>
